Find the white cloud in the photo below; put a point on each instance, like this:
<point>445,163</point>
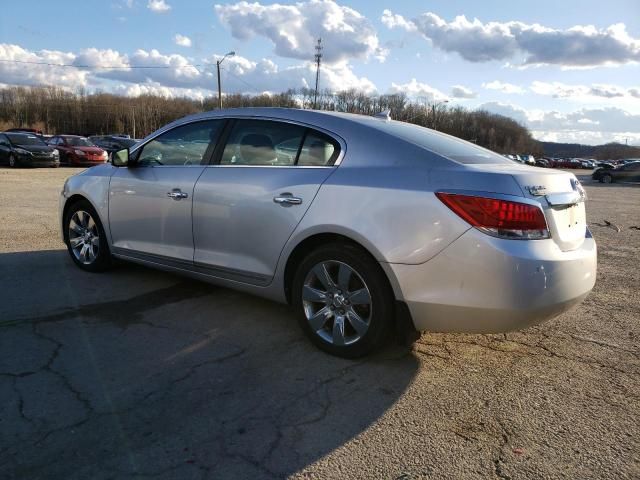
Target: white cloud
<point>154,88</point>
<point>392,20</point>
<point>418,89</point>
<point>243,75</point>
<point>585,92</point>
<point>460,91</point>
<point>503,87</point>
<point>182,40</point>
<point>475,41</point>
<point>294,29</point>
<point>169,75</point>
<point>586,125</point>
<point>12,72</point>
<point>158,6</point>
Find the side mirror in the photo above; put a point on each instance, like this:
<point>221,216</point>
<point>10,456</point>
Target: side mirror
<point>120,158</point>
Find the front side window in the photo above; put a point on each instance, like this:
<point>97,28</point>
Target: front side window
<point>186,145</point>
<point>263,142</point>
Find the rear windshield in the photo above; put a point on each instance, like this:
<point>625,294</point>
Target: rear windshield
<point>441,144</point>
<point>79,142</point>
<point>24,139</point>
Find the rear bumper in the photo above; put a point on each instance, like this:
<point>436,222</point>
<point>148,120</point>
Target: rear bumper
<point>481,284</point>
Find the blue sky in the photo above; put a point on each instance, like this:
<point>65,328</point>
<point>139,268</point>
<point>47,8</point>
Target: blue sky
<point>570,70</point>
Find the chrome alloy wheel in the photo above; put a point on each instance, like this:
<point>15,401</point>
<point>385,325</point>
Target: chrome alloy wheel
<point>337,303</point>
<point>84,237</point>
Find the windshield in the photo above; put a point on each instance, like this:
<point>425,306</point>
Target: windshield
<point>79,142</point>
<point>442,144</point>
<point>24,139</point>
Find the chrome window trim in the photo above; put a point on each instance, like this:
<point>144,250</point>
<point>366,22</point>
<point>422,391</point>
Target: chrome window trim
<point>335,136</point>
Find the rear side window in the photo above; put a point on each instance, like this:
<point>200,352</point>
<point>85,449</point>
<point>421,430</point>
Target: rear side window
<point>318,150</point>
<point>263,142</point>
<point>442,144</point>
<point>267,142</point>
<point>190,144</point>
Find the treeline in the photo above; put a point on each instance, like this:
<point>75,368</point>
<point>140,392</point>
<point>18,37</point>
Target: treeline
<point>54,110</point>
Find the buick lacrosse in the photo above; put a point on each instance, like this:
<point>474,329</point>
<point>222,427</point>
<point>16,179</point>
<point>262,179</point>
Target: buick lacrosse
<point>363,224</point>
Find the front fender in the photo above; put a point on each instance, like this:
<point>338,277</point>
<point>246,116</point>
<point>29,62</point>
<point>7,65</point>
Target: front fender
<point>92,185</point>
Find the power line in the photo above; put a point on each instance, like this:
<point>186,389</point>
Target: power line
<point>103,67</point>
<point>145,67</point>
<point>240,79</point>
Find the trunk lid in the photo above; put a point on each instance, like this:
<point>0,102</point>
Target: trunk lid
<point>560,195</point>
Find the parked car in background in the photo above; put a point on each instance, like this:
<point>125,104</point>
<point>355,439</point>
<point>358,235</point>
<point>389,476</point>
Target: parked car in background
<point>371,225</point>
<point>629,172</point>
<point>26,149</point>
<point>78,151</point>
<point>568,163</point>
<point>605,164</point>
<point>587,164</point>
<point>34,131</point>
<point>543,162</point>
<point>112,143</point>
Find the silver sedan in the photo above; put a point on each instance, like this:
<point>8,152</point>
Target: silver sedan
<point>368,227</point>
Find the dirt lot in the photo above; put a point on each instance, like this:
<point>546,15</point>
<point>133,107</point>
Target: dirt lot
<point>138,374</point>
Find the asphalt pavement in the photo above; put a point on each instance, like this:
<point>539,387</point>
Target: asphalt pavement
<point>137,373</point>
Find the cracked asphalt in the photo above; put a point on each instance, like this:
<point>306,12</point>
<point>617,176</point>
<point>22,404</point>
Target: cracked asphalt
<point>143,374</point>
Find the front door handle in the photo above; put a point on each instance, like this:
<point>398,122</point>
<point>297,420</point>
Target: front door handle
<point>177,194</point>
<point>286,199</point>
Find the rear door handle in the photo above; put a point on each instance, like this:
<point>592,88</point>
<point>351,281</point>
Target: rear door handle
<point>177,194</point>
<point>286,199</point>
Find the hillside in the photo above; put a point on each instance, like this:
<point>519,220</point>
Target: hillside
<point>609,151</point>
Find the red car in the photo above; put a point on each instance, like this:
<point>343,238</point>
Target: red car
<point>78,151</point>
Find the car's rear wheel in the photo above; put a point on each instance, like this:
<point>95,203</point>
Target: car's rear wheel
<point>85,238</point>
<point>12,161</point>
<point>606,178</point>
<point>344,302</point>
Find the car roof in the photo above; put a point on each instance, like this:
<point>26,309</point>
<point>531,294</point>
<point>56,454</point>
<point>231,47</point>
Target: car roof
<point>320,118</point>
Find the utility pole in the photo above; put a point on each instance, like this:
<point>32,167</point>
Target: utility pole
<point>435,107</point>
<point>230,54</point>
<point>318,57</point>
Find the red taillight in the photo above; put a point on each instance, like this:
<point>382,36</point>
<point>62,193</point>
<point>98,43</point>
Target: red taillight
<point>500,218</point>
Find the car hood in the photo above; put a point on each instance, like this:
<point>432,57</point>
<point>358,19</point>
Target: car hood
<point>92,150</point>
<point>36,148</point>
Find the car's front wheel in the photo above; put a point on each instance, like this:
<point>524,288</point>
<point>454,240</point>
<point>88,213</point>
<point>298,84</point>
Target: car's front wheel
<point>606,178</point>
<point>85,238</point>
<point>344,302</point>
<point>12,161</point>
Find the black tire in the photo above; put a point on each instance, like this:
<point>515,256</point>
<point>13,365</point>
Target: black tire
<point>606,178</point>
<point>103,258</point>
<point>368,271</point>
<point>12,161</point>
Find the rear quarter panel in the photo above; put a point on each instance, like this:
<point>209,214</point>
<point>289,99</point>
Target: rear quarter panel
<point>380,196</point>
